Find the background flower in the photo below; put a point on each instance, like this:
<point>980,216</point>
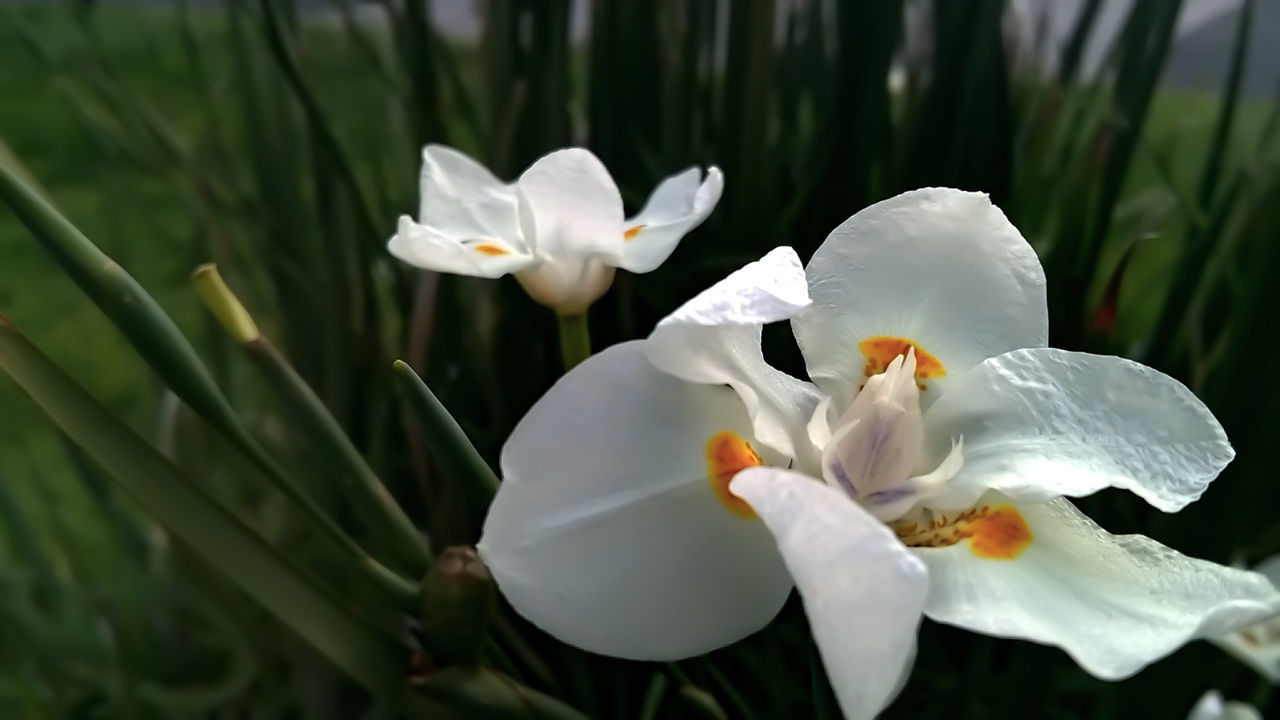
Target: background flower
<point>559,228</point>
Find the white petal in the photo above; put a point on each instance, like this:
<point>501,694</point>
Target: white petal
<point>568,287</point>
<point>1258,646</point>
<point>1271,569</point>
<point>606,532</point>
<point>862,589</point>
<point>463,201</point>
<point>1211,707</point>
<point>569,207</point>
<point>1115,603</point>
<point>940,267</point>
<point>424,247</point>
<point>679,204</point>
<point>770,289</point>
<point>715,339</point>
<point>1042,423</point>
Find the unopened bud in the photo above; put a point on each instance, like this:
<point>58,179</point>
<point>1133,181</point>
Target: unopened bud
<point>458,598</point>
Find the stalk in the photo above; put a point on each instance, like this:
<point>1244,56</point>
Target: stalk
<point>314,420</point>
<point>575,340</point>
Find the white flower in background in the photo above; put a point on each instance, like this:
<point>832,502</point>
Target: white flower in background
<point>1212,707</point>
<point>925,471</point>
<point>559,228</point>
<point>1258,645</point>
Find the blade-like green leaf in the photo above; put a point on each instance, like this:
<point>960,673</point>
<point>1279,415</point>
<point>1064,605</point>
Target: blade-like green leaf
<point>455,455</point>
<point>201,521</point>
<point>159,341</point>
<point>319,122</point>
<point>653,696</point>
<point>1214,198</point>
<point>309,413</point>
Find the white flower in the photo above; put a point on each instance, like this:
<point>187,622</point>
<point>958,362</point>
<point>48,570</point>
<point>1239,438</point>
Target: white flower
<point>1258,645</point>
<point>559,228</point>
<point>1212,707</point>
<point>924,472</point>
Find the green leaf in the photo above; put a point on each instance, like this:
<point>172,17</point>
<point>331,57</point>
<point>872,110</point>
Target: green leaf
<point>653,696</point>
<point>202,522</point>
<point>159,341</point>
<point>457,458</point>
<point>309,413</point>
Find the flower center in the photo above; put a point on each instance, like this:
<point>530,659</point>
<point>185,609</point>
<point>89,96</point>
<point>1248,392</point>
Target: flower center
<point>998,533</point>
<point>727,455</point>
<point>881,351</point>
<point>876,452</point>
<point>631,232</point>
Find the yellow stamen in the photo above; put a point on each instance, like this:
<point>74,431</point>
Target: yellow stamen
<point>631,232</point>
<point>727,455</point>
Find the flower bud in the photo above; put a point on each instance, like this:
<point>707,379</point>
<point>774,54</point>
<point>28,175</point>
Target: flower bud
<point>457,605</point>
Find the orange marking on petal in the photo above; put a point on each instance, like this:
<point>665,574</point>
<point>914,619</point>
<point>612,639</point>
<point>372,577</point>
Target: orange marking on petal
<point>631,232</point>
<point>727,455</point>
<point>998,533</point>
<point>1001,534</point>
<point>880,351</point>
<point>491,249</point>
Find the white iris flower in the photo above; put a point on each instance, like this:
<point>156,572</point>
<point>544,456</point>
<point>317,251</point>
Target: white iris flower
<point>662,498</point>
<point>559,228</point>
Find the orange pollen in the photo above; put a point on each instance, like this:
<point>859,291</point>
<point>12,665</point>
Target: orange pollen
<point>881,350</point>
<point>631,232</point>
<point>998,533</point>
<point>727,455</point>
<point>491,249</point>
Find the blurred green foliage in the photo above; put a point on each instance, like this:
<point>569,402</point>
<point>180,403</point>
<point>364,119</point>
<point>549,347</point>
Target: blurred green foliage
<point>283,147</point>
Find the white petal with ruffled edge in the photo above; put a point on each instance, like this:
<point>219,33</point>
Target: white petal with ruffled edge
<point>463,201</point>
<point>678,205</point>
<point>715,339</point>
<point>1115,603</point>
<point>1043,423</point>
<point>863,591</point>
<point>606,532</point>
<point>943,268</point>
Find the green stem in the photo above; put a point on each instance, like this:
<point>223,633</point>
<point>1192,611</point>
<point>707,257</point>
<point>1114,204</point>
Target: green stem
<point>575,340</point>
<point>363,486</point>
<point>306,411</point>
<point>653,696</point>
